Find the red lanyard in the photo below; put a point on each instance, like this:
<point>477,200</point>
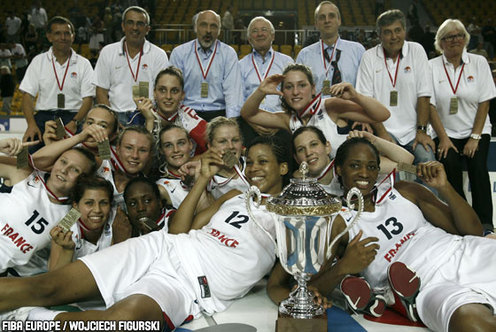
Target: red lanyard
<point>61,87</point>
<point>135,78</point>
<point>312,107</point>
<point>268,69</point>
<point>212,56</point>
<point>397,66</point>
<point>449,80</point>
<point>61,200</point>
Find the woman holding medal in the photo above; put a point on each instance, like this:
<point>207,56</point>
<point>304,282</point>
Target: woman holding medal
<point>172,278</point>
<point>463,87</point>
<point>168,94</point>
<point>36,203</point>
<point>301,107</point>
<point>175,148</point>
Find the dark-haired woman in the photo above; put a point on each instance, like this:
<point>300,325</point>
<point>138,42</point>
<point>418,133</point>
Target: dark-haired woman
<point>427,252</point>
<point>301,107</point>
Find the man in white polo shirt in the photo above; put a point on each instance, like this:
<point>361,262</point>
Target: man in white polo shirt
<point>128,67</point>
<point>61,79</point>
<point>396,72</point>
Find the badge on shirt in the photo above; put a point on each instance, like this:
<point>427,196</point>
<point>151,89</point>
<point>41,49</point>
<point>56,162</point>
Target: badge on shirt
<point>204,90</point>
<point>393,98</point>
<point>22,160</point>
<point>60,100</point>
<point>59,130</point>
<point>143,89</point>
<point>326,87</point>
<point>453,105</point>
<point>104,150</point>
<point>69,219</point>
<point>136,91</point>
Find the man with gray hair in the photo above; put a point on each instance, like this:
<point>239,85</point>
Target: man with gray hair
<point>396,72</point>
<point>331,59</point>
<point>212,79</point>
<point>128,68</point>
<point>262,62</point>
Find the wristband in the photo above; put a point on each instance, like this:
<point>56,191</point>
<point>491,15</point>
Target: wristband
<point>422,128</point>
<point>475,136</point>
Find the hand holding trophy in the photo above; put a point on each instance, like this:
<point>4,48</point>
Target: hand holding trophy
<point>302,214</point>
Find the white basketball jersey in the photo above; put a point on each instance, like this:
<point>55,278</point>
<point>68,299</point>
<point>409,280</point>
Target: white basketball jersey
<point>404,235</point>
<point>322,121</point>
<point>26,217</point>
<point>231,251</point>
<point>220,185</point>
<point>176,190</point>
<point>106,171</point>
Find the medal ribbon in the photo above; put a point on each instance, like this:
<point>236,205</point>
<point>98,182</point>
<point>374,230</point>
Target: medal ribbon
<point>397,67</point>
<point>65,74</point>
<point>135,78</point>
<point>212,56</point>
<point>268,68</point>
<point>62,200</point>
<point>332,55</point>
<point>449,79</point>
<point>326,170</point>
<point>312,107</point>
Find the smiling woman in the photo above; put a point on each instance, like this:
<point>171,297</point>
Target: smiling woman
<point>301,107</point>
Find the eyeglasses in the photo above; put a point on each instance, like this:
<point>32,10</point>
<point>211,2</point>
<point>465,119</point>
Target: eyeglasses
<point>451,38</point>
<point>256,30</point>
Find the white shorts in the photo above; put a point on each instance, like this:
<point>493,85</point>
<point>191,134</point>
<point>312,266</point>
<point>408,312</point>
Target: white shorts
<point>467,277</point>
<point>146,265</point>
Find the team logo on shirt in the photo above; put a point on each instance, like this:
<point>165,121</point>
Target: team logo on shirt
<point>74,74</point>
<point>407,69</point>
<point>470,78</point>
<point>145,66</point>
<point>106,169</point>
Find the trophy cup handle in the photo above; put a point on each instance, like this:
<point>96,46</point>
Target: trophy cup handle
<point>255,192</point>
<point>359,197</point>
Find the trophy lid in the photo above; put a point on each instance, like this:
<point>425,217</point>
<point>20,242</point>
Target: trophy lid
<point>304,196</point>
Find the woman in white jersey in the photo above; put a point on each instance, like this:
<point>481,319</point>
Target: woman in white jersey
<point>36,203</point>
<point>224,137</point>
<point>310,145</point>
<point>301,107</point>
<point>170,278</point>
<point>167,108</point>
<point>412,230</point>
<point>175,149</point>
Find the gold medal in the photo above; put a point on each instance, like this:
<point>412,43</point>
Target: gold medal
<point>104,149</point>
<point>136,91</point>
<point>59,130</point>
<point>69,219</point>
<point>204,90</point>
<point>60,100</point>
<point>22,160</point>
<point>326,87</point>
<point>393,98</point>
<point>143,89</point>
<point>453,105</point>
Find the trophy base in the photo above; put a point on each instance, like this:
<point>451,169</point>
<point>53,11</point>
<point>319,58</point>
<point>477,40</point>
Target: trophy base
<point>289,324</point>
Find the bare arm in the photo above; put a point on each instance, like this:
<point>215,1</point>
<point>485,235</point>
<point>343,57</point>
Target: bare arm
<point>183,219</point>
<point>81,114</point>
<point>480,117</point>
<point>27,105</point>
<point>102,96</point>
<point>352,105</point>
<point>423,111</point>
<point>252,113</point>
<point>444,141</point>
<point>62,249</point>
<point>455,216</point>
<point>8,168</point>
<point>391,153</point>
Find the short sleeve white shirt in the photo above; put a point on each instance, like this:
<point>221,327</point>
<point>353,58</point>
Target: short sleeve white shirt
<point>113,73</point>
<point>413,80</point>
<point>40,80</point>
<point>475,87</point>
